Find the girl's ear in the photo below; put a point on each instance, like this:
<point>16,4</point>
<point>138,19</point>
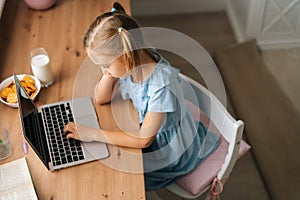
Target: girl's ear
<point>119,7</point>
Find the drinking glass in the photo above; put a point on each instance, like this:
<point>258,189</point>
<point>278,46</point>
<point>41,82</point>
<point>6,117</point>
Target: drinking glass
<point>5,146</point>
<point>41,67</point>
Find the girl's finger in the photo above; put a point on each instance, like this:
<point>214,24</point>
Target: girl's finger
<point>72,128</point>
<point>71,135</point>
<point>66,128</point>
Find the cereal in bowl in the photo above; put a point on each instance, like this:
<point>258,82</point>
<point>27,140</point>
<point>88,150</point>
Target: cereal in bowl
<point>9,91</point>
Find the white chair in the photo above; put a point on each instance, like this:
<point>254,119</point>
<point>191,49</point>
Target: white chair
<point>230,129</point>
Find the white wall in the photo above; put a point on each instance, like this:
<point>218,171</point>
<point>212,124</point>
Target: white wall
<point>237,11</point>
<point>274,23</point>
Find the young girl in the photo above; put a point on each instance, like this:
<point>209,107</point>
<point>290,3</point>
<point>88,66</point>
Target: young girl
<point>173,144</point>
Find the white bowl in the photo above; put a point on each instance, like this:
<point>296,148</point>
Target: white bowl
<point>20,77</point>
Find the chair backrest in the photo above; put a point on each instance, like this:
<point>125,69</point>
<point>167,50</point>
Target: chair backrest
<point>231,129</point>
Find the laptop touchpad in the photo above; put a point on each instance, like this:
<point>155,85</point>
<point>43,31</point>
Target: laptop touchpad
<point>82,107</point>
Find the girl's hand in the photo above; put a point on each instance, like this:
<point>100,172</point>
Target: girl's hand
<point>103,92</point>
<point>78,132</point>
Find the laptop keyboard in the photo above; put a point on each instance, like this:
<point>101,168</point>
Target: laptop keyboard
<point>62,150</point>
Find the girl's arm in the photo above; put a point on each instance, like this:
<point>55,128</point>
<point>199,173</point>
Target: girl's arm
<point>141,139</point>
<point>103,92</point>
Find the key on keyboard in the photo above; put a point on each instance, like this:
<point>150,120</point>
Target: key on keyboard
<point>62,150</point>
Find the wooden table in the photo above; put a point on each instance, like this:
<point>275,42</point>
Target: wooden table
<point>60,30</point>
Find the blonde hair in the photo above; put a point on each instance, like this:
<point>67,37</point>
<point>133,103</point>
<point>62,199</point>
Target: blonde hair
<point>109,37</point>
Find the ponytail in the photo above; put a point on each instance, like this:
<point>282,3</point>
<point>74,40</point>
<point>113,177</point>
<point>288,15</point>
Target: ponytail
<point>131,53</point>
<point>118,8</point>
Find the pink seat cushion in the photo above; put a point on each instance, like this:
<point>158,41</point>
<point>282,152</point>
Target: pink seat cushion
<point>198,179</point>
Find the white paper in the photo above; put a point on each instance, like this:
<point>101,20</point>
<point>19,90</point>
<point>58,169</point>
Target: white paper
<point>15,181</point>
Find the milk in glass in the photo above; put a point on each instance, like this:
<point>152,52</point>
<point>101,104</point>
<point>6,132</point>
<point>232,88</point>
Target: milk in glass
<point>41,67</point>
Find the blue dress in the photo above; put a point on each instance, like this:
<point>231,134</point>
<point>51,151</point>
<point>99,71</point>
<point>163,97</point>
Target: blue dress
<point>180,144</point>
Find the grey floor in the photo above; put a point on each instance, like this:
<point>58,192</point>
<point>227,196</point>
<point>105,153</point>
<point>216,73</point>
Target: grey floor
<point>284,64</point>
<point>213,31</point>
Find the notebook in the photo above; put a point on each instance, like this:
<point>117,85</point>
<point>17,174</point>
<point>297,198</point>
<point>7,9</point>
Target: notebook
<point>43,130</point>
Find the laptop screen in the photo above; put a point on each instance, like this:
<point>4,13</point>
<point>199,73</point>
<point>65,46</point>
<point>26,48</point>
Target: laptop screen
<point>31,124</point>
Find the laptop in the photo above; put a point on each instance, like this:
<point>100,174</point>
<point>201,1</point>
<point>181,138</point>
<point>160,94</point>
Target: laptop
<point>43,130</point>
